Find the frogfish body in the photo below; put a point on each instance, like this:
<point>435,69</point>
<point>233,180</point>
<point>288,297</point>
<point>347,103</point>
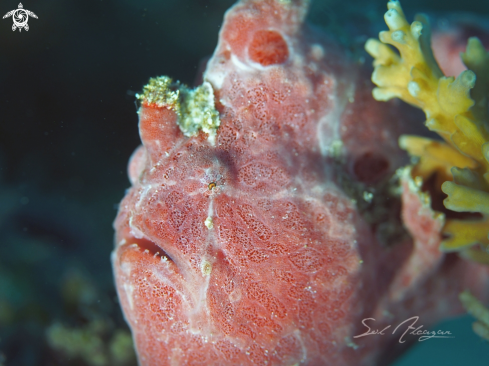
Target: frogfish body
<point>263,223</point>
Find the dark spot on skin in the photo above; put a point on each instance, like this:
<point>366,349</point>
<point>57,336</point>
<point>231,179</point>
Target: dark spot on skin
<point>370,167</point>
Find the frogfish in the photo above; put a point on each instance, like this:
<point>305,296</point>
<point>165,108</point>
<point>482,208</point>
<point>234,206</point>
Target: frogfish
<point>270,221</point>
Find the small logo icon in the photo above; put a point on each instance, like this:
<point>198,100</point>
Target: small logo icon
<point>20,17</point>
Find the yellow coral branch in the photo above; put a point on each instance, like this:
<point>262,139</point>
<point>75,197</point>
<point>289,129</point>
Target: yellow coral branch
<point>465,199</point>
<point>464,233</point>
<point>455,108</point>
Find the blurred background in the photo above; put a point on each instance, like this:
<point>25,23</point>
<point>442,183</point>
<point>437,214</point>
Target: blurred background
<point>68,125</point>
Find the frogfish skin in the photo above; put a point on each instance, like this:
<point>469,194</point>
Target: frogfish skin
<point>267,237</point>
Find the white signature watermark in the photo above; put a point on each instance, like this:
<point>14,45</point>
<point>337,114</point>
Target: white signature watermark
<point>423,334</point>
<point>20,17</point>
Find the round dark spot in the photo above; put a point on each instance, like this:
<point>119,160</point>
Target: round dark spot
<point>370,167</point>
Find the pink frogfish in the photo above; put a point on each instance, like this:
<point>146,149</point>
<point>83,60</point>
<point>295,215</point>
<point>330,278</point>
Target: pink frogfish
<point>268,222</point>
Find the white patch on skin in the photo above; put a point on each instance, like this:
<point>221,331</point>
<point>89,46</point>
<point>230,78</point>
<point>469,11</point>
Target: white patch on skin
<point>206,268</point>
<point>317,52</point>
<point>328,126</point>
<point>210,210</point>
<point>126,268</point>
<point>218,74</point>
<point>208,222</point>
<point>129,289</point>
<point>235,295</point>
<point>138,234</point>
<point>241,66</point>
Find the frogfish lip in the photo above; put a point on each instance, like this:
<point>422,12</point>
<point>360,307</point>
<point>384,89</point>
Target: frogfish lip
<point>150,248</point>
<point>159,284</point>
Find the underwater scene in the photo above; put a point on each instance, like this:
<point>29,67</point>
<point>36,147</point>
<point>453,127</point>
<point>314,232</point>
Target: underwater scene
<point>251,182</point>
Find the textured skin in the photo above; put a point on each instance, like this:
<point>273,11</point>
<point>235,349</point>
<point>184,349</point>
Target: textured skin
<point>292,263</point>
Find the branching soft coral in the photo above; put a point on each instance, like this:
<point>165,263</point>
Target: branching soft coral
<point>455,108</point>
